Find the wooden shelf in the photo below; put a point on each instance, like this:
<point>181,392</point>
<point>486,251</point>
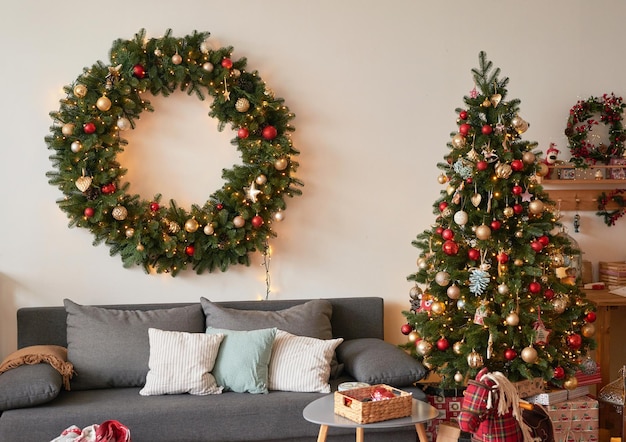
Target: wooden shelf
<point>582,194</point>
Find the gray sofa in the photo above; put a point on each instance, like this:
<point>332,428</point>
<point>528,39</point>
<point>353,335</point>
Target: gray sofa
<point>229,416</point>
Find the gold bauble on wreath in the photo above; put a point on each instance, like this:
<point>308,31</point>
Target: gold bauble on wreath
<point>108,98</point>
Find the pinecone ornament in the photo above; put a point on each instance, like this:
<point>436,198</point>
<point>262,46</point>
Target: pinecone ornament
<point>245,83</point>
<point>92,193</point>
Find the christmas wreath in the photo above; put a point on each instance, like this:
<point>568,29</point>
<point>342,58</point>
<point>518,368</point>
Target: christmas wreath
<point>582,118</point>
<point>611,216</point>
<point>106,99</point>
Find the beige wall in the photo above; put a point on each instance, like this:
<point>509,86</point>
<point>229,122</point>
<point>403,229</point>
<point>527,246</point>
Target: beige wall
<point>374,86</point>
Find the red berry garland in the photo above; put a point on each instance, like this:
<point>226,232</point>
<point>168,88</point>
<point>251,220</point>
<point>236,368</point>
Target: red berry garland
<point>582,118</point>
<point>610,216</point>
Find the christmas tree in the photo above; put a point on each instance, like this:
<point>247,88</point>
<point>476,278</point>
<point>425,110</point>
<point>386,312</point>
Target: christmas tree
<point>496,280</point>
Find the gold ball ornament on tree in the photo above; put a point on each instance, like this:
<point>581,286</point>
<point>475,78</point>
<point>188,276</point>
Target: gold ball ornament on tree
<point>242,105</point>
<point>571,383</point>
<point>414,336</point>
<point>542,170</point>
<point>458,377</point>
<point>119,213</point>
<point>483,232</point>
<point>529,355</point>
<point>442,179</point>
<point>261,179</point>
<point>438,308</point>
<point>454,292</point>
<point>588,330</point>
<point>239,221</point>
<point>475,359</point>
<point>134,70</point>
<point>80,90</point>
<point>536,207</point>
<point>528,157</point>
<point>129,232</point>
<point>208,229</point>
<point>559,305</point>
<point>508,211</point>
<point>191,225</point>
<point>512,319</point>
<point>457,347</point>
<point>103,103</point>
<point>458,141</point>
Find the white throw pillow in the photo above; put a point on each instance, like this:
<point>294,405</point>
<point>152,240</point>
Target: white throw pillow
<point>181,362</point>
<point>301,363</point>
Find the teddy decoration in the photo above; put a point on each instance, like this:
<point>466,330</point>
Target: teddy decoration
<point>491,410</point>
<point>551,159</point>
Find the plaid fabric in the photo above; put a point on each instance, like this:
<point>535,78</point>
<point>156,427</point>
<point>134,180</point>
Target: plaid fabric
<point>485,424</point>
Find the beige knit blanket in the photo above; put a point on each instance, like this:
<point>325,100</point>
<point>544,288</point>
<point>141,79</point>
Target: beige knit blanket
<point>54,355</point>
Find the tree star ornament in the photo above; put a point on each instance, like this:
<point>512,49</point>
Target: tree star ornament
<point>158,243</point>
<point>253,192</point>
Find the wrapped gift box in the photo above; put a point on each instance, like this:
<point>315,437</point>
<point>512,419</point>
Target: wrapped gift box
<point>448,402</point>
<point>529,387</point>
<point>588,379</point>
<point>575,420</point>
<point>548,397</point>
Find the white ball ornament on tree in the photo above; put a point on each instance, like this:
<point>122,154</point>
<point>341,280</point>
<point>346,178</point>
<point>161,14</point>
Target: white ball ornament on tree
<point>261,179</point>
<point>208,66</point>
<point>177,59</point>
<point>239,221</point>
<point>458,377</point>
<point>503,289</point>
<point>191,225</point>
<point>76,146</point>
<point>129,232</point>
<point>278,216</point>
<point>123,123</point>
<point>281,164</point>
<point>461,217</point>
<point>442,278</point>
<point>454,292</point>
<point>208,229</point>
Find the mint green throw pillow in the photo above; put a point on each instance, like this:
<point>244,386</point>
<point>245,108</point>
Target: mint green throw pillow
<point>242,364</point>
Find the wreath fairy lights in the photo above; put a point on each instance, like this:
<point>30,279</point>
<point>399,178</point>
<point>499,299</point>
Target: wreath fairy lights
<point>106,99</point>
<point>581,120</point>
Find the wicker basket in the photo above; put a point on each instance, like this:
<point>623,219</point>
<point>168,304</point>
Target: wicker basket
<point>358,406</point>
<point>613,273</point>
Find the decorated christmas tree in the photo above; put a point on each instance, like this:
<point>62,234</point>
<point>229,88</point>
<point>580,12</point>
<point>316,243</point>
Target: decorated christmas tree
<point>496,279</point>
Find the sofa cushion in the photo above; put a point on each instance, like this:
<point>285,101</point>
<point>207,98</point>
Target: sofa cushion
<point>378,362</point>
<point>181,362</point>
<point>110,347</point>
<point>29,385</point>
<point>242,364</point>
<point>311,318</point>
<point>301,363</point>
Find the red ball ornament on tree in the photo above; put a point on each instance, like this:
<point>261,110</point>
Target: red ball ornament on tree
<point>450,248</point>
<point>257,221</point>
<point>139,71</point>
<point>189,250</point>
<point>154,206</point>
<point>486,129</point>
<point>517,190</point>
<point>510,354</point>
<point>559,372</point>
<point>548,294</point>
<point>243,133</point>
<point>518,209</point>
<point>227,63</point>
<point>496,224</point>
<point>473,254</point>
<point>534,287</point>
<point>108,189</point>
<point>590,317</point>
<point>517,165</point>
<point>219,206</point>
<point>447,234</point>
<point>89,128</point>
<point>443,344</point>
<point>482,165</point>
<point>536,246</point>
<point>502,258</point>
<point>406,329</point>
<point>464,129</point>
<point>463,115</point>
<point>269,132</point>
<point>544,239</point>
<point>574,341</point>
<point>88,212</point>
<point>442,206</point>
<point>439,230</point>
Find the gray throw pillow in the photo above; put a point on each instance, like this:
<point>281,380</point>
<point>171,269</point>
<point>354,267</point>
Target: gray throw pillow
<point>29,385</point>
<point>312,318</point>
<point>111,348</point>
<point>375,361</point>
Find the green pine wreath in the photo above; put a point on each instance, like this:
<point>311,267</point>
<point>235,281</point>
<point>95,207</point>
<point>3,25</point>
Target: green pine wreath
<point>106,99</point>
<point>582,119</point>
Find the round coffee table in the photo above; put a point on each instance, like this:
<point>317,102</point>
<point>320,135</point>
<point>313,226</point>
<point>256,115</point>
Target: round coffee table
<point>322,412</point>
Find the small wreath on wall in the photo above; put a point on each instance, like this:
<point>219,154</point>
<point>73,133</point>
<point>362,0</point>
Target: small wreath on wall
<point>581,120</point>
<point>611,216</point>
<point>106,99</point>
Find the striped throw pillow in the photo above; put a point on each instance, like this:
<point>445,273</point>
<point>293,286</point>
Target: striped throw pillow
<point>301,363</point>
